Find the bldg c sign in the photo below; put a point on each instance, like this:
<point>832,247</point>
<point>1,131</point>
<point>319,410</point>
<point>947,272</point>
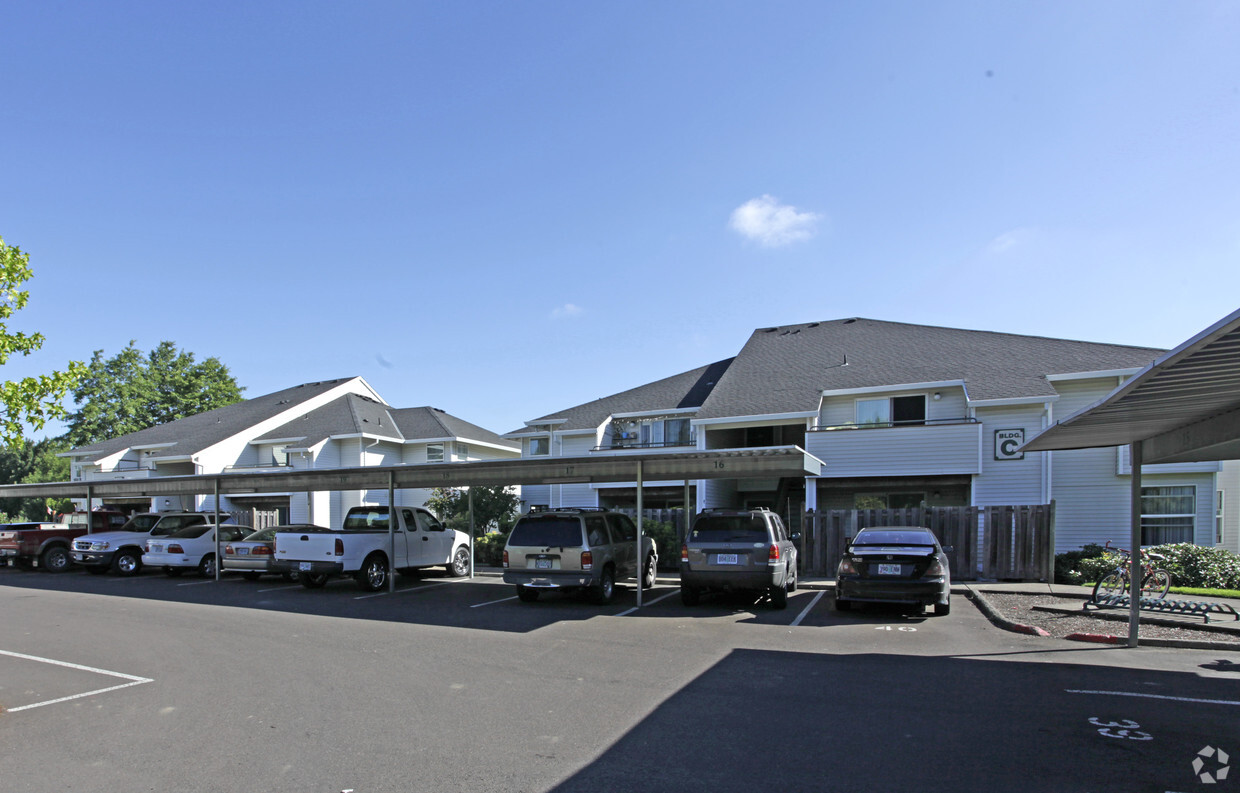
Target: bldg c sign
<point>1006,444</point>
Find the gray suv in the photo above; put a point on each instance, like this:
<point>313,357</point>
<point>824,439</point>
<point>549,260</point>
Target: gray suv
<point>738,550</point>
<point>577,549</point>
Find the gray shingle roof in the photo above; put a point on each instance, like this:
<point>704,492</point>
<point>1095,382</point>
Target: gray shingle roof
<point>785,369</point>
<point>354,414</point>
<point>193,434</point>
<point>685,390</point>
<point>428,422</point>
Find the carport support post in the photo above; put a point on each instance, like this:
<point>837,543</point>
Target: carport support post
<point>641,563</point>
<point>471,533</point>
<point>90,523</point>
<point>219,560</point>
<point>392,532</point>
<point>1136,455</point>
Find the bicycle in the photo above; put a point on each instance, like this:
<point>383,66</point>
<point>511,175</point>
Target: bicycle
<point>1155,582</point>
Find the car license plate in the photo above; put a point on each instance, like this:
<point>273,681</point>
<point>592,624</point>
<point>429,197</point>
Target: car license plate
<point>8,552</point>
<point>243,551</point>
<point>306,567</point>
<point>889,569</point>
<point>726,558</point>
<point>77,557</point>
<point>156,549</point>
<point>542,564</point>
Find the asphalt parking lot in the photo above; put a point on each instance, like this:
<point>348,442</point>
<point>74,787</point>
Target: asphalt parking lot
<point>155,683</point>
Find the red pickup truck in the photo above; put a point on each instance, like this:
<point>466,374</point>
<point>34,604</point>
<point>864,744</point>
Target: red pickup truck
<point>46,545</point>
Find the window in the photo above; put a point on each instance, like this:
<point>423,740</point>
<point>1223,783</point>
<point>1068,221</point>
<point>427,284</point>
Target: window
<point>462,451</point>
<point>623,529</point>
<point>1167,514</point>
<point>279,455</point>
<point>676,432</point>
<point>434,452</point>
<point>539,447</point>
<point>905,410</point>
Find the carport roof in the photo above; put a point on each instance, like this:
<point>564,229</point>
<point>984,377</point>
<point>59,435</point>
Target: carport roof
<point>1184,407</point>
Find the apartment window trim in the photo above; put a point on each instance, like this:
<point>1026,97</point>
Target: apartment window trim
<point>1153,528</point>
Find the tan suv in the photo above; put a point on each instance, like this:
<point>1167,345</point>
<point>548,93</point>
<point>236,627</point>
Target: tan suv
<point>577,549</point>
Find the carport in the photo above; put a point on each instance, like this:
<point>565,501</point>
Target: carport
<point>780,461</point>
<point>1183,407</point>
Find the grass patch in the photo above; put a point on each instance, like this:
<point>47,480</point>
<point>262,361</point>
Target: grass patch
<point>1210,593</point>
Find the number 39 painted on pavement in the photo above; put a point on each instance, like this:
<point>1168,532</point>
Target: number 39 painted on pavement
<point>1127,729</point>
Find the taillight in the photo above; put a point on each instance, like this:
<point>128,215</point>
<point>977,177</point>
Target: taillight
<point>684,554</point>
<point>228,551</point>
<point>935,568</point>
<point>847,568</point>
<point>505,557</point>
<point>587,560</point>
<point>772,555</point>
<point>174,548</point>
<point>260,550</point>
<point>339,547</point>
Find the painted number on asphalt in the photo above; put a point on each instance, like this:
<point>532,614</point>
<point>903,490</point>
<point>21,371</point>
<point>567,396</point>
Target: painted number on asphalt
<point>904,628</point>
<point>1124,728</point>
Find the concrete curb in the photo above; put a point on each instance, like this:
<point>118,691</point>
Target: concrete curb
<point>998,619</point>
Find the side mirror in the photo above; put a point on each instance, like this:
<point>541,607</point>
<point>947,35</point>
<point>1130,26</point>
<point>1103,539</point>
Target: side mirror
<point>948,549</point>
<point>795,536</point>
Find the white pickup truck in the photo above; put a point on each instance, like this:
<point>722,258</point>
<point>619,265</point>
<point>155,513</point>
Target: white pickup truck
<point>363,548</point>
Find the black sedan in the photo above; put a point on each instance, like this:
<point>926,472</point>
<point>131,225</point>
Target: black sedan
<point>894,564</point>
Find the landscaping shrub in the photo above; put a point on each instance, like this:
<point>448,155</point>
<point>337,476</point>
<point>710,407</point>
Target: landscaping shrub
<point>1189,565</point>
<point>489,549</point>
<point>665,541</point>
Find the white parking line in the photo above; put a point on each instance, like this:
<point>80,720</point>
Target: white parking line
<point>492,602</point>
<point>1153,696</point>
<point>648,603</point>
<point>281,588</point>
<point>133,680</point>
<point>403,591</point>
<point>806,610</point>
<point>196,583</point>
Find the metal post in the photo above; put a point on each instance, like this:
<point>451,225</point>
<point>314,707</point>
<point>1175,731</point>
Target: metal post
<point>684,529</point>
<point>219,559</point>
<point>392,532</point>
<point>641,563</point>
<point>90,521</point>
<point>1136,454</point>
<point>471,533</point>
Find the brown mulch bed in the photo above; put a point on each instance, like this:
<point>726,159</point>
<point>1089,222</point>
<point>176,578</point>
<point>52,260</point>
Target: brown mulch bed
<point>1020,608</point>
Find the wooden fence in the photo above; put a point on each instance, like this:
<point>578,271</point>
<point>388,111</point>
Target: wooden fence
<point>1001,542</point>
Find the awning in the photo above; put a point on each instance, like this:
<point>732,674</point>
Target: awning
<point>1184,407</point>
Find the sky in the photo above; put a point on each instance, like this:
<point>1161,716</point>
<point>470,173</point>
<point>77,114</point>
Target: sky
<point>504,209</point>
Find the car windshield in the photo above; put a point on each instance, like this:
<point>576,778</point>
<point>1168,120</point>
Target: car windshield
<point>262,535</point>
<point>893,537</point>
<point>729,528</point>
<point>190,532</point>
<point>140,523</point>
<point>548,531</point>
<point>367,520</point>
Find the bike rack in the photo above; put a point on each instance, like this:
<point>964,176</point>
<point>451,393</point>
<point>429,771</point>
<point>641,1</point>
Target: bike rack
<point>1162,605</point>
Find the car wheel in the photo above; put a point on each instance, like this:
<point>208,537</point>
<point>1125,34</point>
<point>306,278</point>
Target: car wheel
<point>943,609</point>
<point>650,574</point>
<point>792,574</point>
<point>690,595</point>
<point>312,580</point>
<point>206,568</point>
<point>55,559</point>
<point>251,575</point>
<point>460,563</point>
<point>606,587</point>
<point>127,562</point>
<point>527,594</point>
<point>172,571</point>
<point>842,605</point>
<point>779,597</point>
<point>374,573</point>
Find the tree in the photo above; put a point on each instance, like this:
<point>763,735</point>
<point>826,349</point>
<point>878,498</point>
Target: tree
<point>131,391</point>
<point>33,400</point>
<point>34,461</point>
<point>494,507</point>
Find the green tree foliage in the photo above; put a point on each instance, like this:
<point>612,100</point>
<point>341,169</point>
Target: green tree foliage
<point>34,461</point>
<point>31,400</point>
<point>132,391</point>
<point>495,508</point>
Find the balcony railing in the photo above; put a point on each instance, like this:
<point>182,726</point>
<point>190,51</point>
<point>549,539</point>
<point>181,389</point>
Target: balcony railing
<point>629,444</point>
<point>252,466</point>
<point>879,425</point>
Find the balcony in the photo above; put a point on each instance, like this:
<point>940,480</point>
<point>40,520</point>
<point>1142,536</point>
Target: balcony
<point>933,448</point>
<point>622,444</point>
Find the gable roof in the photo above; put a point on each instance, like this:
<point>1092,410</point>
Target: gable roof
<point>685,390</point>
<point>429,423</point>
<point>354,414</point>
<point>786,369</point>
<point>193,434</point>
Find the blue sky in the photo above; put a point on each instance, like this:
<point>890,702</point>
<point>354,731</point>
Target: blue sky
<point>503,209</point>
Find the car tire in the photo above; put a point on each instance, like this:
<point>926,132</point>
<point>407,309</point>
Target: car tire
<point>779,597</point>
<point>459,567</point>
<point>605,590</point>
<point>206,568</point>
<point>312,580</point>
<point>373,575</point>
<point>943,609</point>
<point>172,571</point>
<point>527,594</point>
<point>650,573</point>
<point>842,605</point>
<point>127,562</point>
<point>251,575</point>
<point>55,559</point>
<point>792,584</point>
<point>690,595</point>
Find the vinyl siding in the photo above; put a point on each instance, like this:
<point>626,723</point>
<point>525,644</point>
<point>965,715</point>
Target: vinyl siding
<point>897,451</point>
<point>1009,481</point>
<point>838,411</point>
<point>1229,483</point>
<point>576,445</point>
<point>536,494</point>
<point>717,493</point>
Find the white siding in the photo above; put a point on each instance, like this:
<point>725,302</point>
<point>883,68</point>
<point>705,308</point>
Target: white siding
<point>1009,481</point>
<point>575,495</point>
<point>1229,483</point>
<point>576,445</point>
<point>536,494</point>
<point>897,451</point>
<point>717,493</point>
<point>841,410</point>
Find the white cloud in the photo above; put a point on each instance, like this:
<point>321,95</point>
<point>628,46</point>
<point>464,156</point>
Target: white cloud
<point>770,223</point>
<point>567,310</point>
<point>1010,240</point>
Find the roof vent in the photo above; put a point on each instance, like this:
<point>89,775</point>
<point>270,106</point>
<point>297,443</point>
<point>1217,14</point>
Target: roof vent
<point>813,324</point>
<point>769,330</point>
<point>849,321</point>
